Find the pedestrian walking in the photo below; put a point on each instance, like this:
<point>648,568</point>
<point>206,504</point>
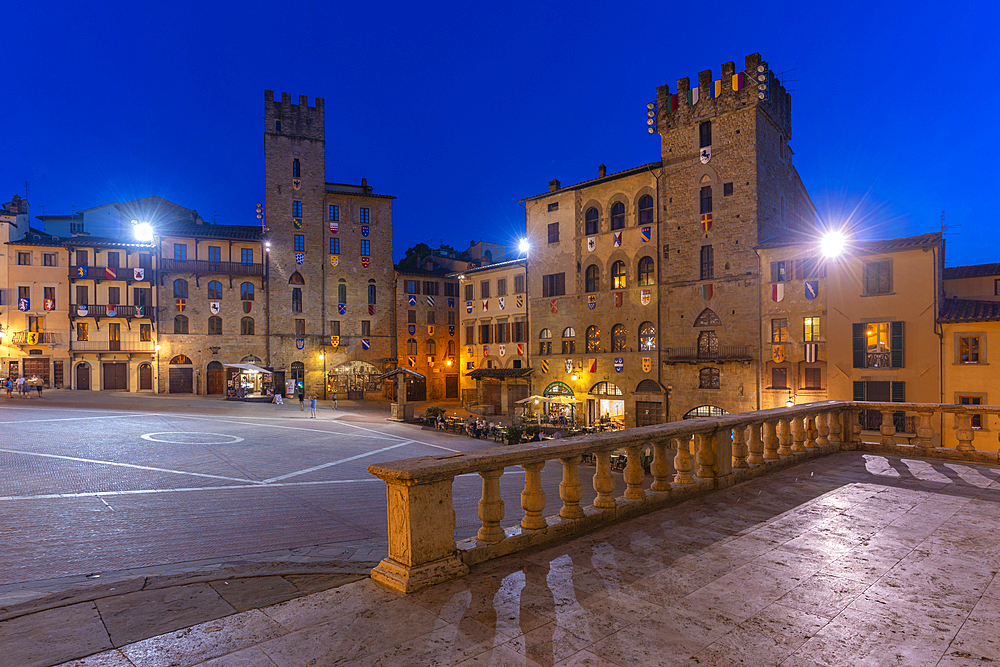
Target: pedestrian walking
<point>335,401</point>
<point>20,386</point>
<point>302,399</point>
<point>38,386</point>
<point>10,387</point>
<point>312,407</point>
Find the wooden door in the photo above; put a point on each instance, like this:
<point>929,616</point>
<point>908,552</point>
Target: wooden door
<point>451,386</point>
<point>114,336</point>
<point>181,380</point>
<point>491,396</point>
<point>57,374</point>
<point>216,380</point>
<point>37,367</point>
<point>83,377</point>
<point>145,376</point>
<point>115,376</point>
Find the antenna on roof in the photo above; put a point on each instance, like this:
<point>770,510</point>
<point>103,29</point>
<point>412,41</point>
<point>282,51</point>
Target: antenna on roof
<point>783,80</point>
<point>943,228</point>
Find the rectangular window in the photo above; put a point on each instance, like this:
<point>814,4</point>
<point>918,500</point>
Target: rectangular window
<point>366,328</point>
<point>707,262</point>
<point>812,379</point>
<point>484,289</point>
<point>82,331</point>
<point>520,332</point>
<point>334,213</point>
<point>114,296</point>
<point>300,243</point>
<point>24,292</point>
<point>431,287</point>
<point>82,257</point>
<point>568,346</point>
<point>334,246</point>
<point>49,294</point>
<point>706,199</point>
<point>300,327</point>
<point>180,251</point>
<point>554,206</point>
<point>878,278</point>
<point>296,300</point>
<point>977,420</point>
<point>705,134</point>
<point>363,214</point>
<point>810,329</point>
<point>470,335</point>
<point>34,324</point>
<point>451,289</point>
<point>342,293</point>
<point>413,287</point>
<point>779,330</point>
<point>145,332</point>
<point>146,260</point>
<point>554,284</point>
<point>779,272</point>
<point>24,259</point>
<point>519,284</point>
<point>554,232</point>
<point>246,256</point>
<point>779,378</point>
<point>430,317</point>
<point>878,344</point>
<point>140,296</point>
<point>48,259</point>
<point>334,327</point>
<point>411,317</point>
<point>365,247</point>
<point>452,317</point>
<point>296,209</point>
<point>113,259</point>
<point>468,293</point>
<point>484,333</point>
<point>727,189</point>
<point>501,287</point>
<point>82,295</point>
<point>996,286</point>
<point>968,349</point>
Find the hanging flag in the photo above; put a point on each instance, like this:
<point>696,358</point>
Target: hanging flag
<point>297,222</point>
<point>412,299</point>
<point>430,329</point>
<point>777,292</point>
<point>619,298</point>
<point>486,305</point>
<point>366,343</point>
<point>503,350</point>
<point>520,301</point>
<point>554,304</point>
<point>451,329</point>
<point>591,243</point>
<point>592,363</point>
<point>300,257</point>
<point>140,310</point>
<point>520,349</point>
<point>371,308</point>
<point>335,341</point>
<point>111,310</point>
<point>215,306</point>
<point>738,80</point>
<point>139,274</point>
<point>411,329</point>
<point>812,352</point>
<point>181,305</point>
<point>364,230</point>
<point>619,364</point>
<point>300,343</point>
<point>707,291</point>
<point>82,310</point>
<point>812,289</point>
<point>568,365</point>
<point>451,303</point>
<point>430,300</point>
<point>778,353</point>
<point>645,234</point>
<point>545,366</point>
<point>468,307</point>
<point>692,96</point>
<point>706,222</point>
<point>502,301</point>
<point>591,301</point>
<point>334,260</point>
<point>673,102</point>
<point>617,239</point>
<point>342,308</point>
<point>647,364</point>
<point>334,227</point>
<point>81,272</point>
<point>24,303</point>
<point>49,304</point>
<point>645,296</point>
<point>717,88</point>
<point>412,361</point>
<point>365,261</point>
<point>111,272</point>
<point>486,350</point>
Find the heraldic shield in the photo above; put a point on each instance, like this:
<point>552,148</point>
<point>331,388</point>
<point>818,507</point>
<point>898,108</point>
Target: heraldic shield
<point>647,364</point>
<point>778,353</point>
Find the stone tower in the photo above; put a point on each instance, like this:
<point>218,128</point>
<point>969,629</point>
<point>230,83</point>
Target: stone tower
<point>727,184</point>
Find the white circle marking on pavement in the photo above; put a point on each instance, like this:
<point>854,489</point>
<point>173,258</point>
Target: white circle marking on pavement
<point>192,440</point>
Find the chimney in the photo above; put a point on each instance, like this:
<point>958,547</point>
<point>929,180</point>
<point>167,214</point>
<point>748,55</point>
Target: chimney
<point>602,171</point>
<point>364,182</point>
<point>554,185</point>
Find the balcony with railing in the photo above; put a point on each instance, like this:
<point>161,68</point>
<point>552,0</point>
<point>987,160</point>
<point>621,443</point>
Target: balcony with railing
<point>99,310</point>
<point>201,266</point>
<point>124,344</point>
<point>693,354</point>
<point>37,338</point>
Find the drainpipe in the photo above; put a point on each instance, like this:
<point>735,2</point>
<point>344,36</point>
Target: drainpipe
<point>760,338</point>
<point>659,310</point>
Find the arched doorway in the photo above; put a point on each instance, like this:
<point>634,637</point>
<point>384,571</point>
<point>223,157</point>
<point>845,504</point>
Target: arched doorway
<point>607,406</point>
<point>145,377</point>
<point>562,404</point>
<point>83,376</point>
<point>180,376</point>
<point>353,378</point>
<point>216,382</point>
<point>649,403</point>
<point>298,377</point>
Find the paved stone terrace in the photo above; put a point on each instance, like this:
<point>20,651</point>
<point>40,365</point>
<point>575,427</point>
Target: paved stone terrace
<point>851,559</point>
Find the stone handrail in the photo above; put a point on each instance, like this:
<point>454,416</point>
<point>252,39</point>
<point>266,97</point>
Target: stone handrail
<point>708,453</point>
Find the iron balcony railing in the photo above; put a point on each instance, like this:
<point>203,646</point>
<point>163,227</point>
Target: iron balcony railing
<point>97,310</point>
<point>125,344</point>
<point>210,266</point>
<point>717,353</point>
<point>36,338</point>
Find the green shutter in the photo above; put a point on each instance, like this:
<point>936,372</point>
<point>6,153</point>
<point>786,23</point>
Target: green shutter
<point>859,390</point>
<point>898,393</point>
<point>896,344</point>
<point>859,345</point>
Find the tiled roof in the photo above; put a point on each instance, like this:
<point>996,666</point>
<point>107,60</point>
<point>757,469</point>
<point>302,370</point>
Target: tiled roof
<point>969,310</point>
<point>244,232</point>
<point>906,242</point>
<point>439,272</point>
<point>499,373</point>
<point>101,241</point>
<point>610,177</point>
<point>974,271</point>
<point>488,267</point>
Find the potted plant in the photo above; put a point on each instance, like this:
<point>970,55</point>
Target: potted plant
<point>513,434</point>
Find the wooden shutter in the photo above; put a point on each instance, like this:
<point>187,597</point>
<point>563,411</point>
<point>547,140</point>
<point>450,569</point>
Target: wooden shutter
<point>860,345</point>
<point>898,392</point>
<point>560,284</point>
<point>896,344</point>
<point>859,390</point>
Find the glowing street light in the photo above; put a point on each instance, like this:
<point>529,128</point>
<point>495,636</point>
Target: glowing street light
<point>143,231</point>
<point>523,246</point>
<point>833,243</point>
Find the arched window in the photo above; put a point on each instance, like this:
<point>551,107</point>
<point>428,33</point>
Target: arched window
<point>645,272</point>
<point>545,342</point>
<point>246,326</point>
<point>341,291</point>
<point>606,389</point>
<point>431,347</point>
<point>180,288</point>
<point>617,215</point>
<point>592,225</point>
<point>214,290</point>
<point>569,332</point>
<point>215,326</point>
<point>246,292</point>
<point>180,359</point>
<point>298,371</point>
<point>296,279</point>
<point>451,348</point>
<point>708,345</point>
<point>592,281</point>
<point>180,324</point>
<point>708,378</point>
<point>705,411</point>
<point>618,338</point>
<point>645,210</point>
<point>618,275</point>
<point>568,342</point>
<point>371,291</point>
<point>544,333</point>
<point>649,387</point>
<point>708,318</point>
<point>296,300</point>
<point>296,168</point>
<point>647,336</point>
<point>593,339</point>
<point>411,346</point>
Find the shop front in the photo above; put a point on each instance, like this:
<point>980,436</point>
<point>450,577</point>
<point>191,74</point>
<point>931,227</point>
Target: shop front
<point>249,382</point>
<point>606,406</point>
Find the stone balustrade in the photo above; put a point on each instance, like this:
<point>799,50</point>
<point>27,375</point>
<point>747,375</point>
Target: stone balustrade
<point>688,457</point>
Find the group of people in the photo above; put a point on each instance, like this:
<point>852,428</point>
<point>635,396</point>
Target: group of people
<point>301,394</point>
<point>23,386</point>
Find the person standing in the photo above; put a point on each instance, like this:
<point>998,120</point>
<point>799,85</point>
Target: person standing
<point>38,386</point>
<point>302,398</point>
<point>312,407</point>
<point>335,401</point>
<point>20,386</point>
<point>10,387</point>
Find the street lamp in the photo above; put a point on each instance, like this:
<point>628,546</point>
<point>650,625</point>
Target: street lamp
<point>523,246</point>
<point>833,243</point>
<point>142,231</point>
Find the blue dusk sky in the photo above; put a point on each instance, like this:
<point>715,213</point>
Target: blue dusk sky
<point>462,109</point>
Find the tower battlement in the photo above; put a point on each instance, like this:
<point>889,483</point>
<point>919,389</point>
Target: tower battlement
<point>731,91</point>
<point>293,120</point>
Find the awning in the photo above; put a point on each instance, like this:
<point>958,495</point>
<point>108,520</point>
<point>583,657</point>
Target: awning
<point>248,367</point>
<point>498,373</point>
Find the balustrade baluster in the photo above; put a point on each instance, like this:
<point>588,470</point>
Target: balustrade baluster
<point>740,447</point>
<point>634,475</point>
<point>925,430</point>
<point>833,427</point>
<point>533,497</point>
<point>604,482</point>
<point>798,434</point>
<point>491,507</point>
<point>888,429</point>
<point>964,433</point>
<point>756,444</point>
<point>705,457</point>
<point>571,489</point>
<point>855,420</point>
<point>784,438</point>
<point>812,428</point>
<point>660,468</point>
<point>683,463</point>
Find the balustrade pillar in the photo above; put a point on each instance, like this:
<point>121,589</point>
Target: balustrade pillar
<point>833,422</point>
<point>964,433</point>
<point>756,445</point>
<point>819,431</point>
<point>784,438</point>
<point>925,430</point>
<point>705,456</point>
<point>571,489</point>
<point>740,450</point>
<point>888,428</point>
<point>770,440</point>
<point>634,475</point>
<point>660,468</point>
<point>533,497</point>
<point>798,434</point>
<point>855,428</point>
<point>683,462</point>
<point>491,510</point>
<point>604,482</point>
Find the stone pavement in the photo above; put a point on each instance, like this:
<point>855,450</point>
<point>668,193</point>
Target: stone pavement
<point>850,559</point>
